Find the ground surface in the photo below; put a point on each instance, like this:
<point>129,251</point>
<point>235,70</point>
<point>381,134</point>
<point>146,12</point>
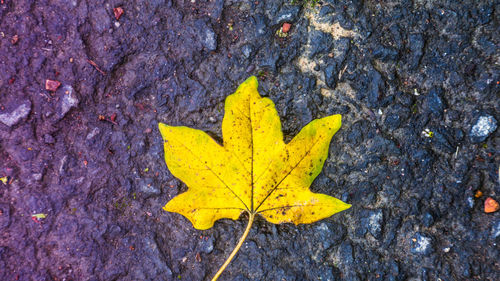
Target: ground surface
<point>417,83</point>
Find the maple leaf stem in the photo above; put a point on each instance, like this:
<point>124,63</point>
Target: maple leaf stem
<point>251,217</point>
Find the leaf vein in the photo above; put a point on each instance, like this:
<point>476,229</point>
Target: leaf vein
<point>293,206</point>
<point>291,170</point>
<point>215,174</point>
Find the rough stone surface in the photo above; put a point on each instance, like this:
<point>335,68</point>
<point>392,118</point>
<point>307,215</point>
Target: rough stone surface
<point>392,69</point>
<point>19,113</point>
<point>421,244</point>
<point>484,126</point>
<point>68,100</point>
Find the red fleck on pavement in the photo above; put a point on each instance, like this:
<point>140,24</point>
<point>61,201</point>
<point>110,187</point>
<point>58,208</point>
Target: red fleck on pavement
<point>52,85</point>
<point>118,12</point>
<point>14,39</point>
<point>286,27</point>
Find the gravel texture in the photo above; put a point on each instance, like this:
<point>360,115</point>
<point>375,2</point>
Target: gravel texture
<point>417,83</point>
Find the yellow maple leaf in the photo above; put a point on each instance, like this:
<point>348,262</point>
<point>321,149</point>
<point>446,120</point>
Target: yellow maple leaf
<point>254,171</point>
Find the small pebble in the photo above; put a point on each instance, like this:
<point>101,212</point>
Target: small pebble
<point>15,116</point>
<point>495,229</point>
<point>14,39</point>
<point>48,139</point>
<point>421,244</point>
<point>484,126</point>
<point>286,27</point>
<point>52,85</point>
<point>37,176</point>
<point>118,11</point>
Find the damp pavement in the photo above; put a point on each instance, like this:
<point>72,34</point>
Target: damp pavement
<point>85,83</point>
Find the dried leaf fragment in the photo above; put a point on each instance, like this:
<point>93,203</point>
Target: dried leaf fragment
<point>478,193</point>
<point>491,205</point>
